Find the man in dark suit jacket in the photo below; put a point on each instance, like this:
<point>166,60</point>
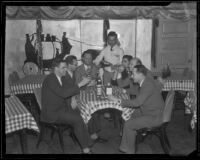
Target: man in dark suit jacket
<point>87,69</point>
<point>54,107</point>
<point>69,81</point>
<point>149,106</point>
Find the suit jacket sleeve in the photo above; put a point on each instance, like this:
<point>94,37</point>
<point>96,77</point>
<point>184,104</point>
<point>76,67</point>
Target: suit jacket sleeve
<point>145,92</point>
<point>94,72</point>
<point>123,83</point>
<point>133,90</point>
<point>78,75</point>
<point>62,91</point>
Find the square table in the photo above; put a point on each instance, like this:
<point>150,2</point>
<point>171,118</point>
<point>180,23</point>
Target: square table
<point>18,118</point>
<point>89,102</point>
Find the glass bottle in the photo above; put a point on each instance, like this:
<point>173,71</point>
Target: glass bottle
<point>108,89</point>
<point>99,86</point>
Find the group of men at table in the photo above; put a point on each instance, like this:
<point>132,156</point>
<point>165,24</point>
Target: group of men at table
<point>67,79</point>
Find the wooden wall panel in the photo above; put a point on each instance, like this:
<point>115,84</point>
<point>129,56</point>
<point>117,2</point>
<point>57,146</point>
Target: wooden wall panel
<point>175,44</point>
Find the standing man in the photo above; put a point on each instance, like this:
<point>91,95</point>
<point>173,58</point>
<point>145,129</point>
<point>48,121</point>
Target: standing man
<point>112,55</point>
<point>54,107</point>
<point>149,106</point>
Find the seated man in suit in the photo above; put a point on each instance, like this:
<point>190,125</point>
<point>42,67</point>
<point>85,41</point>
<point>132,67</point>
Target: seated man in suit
<point>69,81</point>
<point>54,107</point>
<point>87,69</point>
<point>136,61</point>
<point>149,106</point>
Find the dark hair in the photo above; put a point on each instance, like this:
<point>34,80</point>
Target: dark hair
<point>141,69</point>
<point>139,62</point>
<point>112,33</point>
<point>86,52</point>
<point>129,57</point>
<point>124,74</point>
<point>56,62</point>
<point>69,59</point>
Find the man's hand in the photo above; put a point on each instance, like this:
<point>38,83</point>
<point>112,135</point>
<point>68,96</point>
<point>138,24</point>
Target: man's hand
<point>84,81</point>
<point>74,103</point>
<point>92,83</point>
<point>112,98</point>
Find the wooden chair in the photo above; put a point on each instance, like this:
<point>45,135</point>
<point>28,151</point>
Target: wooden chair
<point>55,127</point>
<point>160,131</point>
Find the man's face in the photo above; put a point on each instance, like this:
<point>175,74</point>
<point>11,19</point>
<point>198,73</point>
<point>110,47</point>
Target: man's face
<point>87,59</point>
<point>112,40</point>
<point>62,69</point>
<point>74,65</point>
<point>136,75</point>
<point>132,64</point>
<point>125,62</point>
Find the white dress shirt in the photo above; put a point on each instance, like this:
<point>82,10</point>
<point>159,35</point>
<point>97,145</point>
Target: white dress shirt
<point>141,82</point>
<point>70,73</point>
<point>113,56</point>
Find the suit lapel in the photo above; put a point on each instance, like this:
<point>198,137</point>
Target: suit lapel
<point>57,79</point>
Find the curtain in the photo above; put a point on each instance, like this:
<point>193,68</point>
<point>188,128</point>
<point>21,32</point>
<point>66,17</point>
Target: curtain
<point>182,11</point>
<point>153,47</point>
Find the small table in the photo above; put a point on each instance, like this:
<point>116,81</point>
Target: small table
<point>179,85</point>
<point>27,84</point>
<point>18,118</point>
<point>89,102</point>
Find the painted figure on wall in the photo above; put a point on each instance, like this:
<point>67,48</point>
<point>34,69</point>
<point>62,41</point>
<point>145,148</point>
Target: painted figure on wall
<point>31,54</point>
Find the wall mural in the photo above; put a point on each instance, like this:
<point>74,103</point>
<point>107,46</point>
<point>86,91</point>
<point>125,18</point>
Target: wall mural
<point>31,64</point>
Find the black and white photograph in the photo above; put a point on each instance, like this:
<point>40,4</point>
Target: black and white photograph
<point>99,79</point>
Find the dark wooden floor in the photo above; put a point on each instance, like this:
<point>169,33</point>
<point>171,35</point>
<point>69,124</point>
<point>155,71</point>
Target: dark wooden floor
<point>182,141</point>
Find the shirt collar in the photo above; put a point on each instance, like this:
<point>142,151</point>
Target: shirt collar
<point>70,73</point>
<point>114,47</point>
<point>141,82</point>
<point>59,79</point>
<point>85,66</point>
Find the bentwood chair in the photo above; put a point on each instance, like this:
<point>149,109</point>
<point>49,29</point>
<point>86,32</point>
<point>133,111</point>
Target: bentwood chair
<point>54,127</point>
<point>160,131</point>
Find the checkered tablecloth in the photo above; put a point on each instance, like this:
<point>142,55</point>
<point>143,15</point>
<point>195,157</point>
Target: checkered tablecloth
<point>89,103</point>
<point>27,84</point>
<point>181,85</point>
<point>24,88</point>
<point>17,116</point>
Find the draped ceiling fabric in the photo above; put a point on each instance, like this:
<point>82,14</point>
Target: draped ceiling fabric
<point>182,11</point>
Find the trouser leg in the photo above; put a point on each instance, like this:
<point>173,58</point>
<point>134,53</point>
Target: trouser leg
<point>94,125</point>
<point>128,139</point>
<point>129,131</point>
<point>80,129</point>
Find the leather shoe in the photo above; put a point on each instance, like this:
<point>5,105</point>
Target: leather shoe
<point>90,152</point>
<point>99,140</point>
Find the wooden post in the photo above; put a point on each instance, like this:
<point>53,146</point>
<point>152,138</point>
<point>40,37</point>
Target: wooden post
<point>39,43</point>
